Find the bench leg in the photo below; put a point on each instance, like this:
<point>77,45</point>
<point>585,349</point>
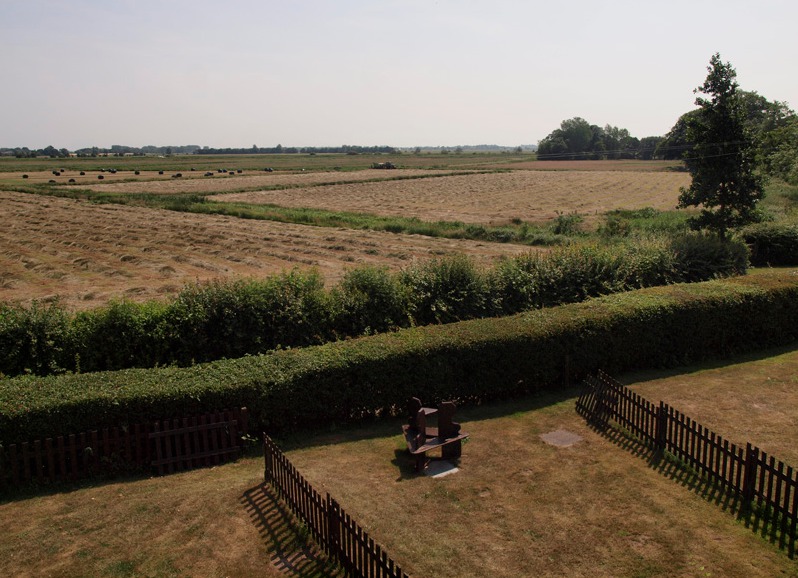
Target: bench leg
<point>421,462</point>
<point>452,451</point>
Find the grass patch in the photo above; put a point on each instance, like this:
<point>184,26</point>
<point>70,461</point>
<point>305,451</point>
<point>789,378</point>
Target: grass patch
<point>518,507</point>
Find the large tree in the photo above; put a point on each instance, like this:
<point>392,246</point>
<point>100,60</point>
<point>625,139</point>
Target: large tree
<point>722,161</point>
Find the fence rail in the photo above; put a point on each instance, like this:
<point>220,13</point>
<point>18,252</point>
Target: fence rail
<point>166,446</point>
<point>338,535</point>
<point>749,472</point>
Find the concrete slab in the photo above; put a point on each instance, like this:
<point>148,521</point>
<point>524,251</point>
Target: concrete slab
<point>561,438</point>
<point>440,468</point>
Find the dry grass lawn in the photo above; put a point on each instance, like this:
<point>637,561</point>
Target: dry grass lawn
<point>497,198</point>
<point>517,507</point>
<point>751,401</point>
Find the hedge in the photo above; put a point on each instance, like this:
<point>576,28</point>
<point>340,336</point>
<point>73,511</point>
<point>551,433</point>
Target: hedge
<point>772,245</point>
<point>230,319</point>
<point>471,361</point>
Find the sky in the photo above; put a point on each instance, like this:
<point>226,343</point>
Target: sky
<point>371,72</point>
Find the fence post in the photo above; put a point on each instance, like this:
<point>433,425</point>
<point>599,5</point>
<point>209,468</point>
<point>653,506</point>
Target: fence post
<point>269,457</point>
<point>333,529</point>
<point>662,427</point>
<point>749,479</point>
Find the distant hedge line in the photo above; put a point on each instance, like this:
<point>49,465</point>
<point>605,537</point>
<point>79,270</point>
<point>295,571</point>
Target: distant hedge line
<point>478,360</point>
<point>231,319</point>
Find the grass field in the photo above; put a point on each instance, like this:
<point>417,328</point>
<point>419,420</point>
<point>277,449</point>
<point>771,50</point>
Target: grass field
<point>518,506</point>
<point>85,253</point>
<point>492,198</point>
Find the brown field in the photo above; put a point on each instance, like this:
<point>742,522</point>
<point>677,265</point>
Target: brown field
<point>619,165</point>
<point>88,253</point>
<point>196,183</point>
<point>520,507</point>
<point>532,196</point>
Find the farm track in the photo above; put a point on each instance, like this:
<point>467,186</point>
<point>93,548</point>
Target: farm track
<point>87,254</point>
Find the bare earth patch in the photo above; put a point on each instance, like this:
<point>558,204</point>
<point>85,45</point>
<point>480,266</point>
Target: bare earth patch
<point>87,253</point>
<point>533,196</point>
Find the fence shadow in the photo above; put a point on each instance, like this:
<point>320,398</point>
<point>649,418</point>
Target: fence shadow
<point>759,520</point>
<point>292,550</point>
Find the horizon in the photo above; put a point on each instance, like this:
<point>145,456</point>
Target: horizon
<point>317,74</point>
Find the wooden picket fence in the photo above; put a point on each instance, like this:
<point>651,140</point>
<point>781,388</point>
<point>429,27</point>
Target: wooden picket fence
<point>748,472</point>
<point>165,446</point>
<point>339,536</point>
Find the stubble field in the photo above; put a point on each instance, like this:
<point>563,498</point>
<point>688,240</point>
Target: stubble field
<point>85,254</point>
<point>494,198</point>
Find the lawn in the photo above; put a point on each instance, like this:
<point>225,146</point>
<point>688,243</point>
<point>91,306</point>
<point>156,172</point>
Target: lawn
<point>517,507</point>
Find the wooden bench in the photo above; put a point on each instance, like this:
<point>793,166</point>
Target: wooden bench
<point>422,438</point>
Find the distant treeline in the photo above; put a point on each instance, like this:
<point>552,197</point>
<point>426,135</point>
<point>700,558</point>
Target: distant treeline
<point>281,150</point>
<point>121,150</point>
<point>115,150</point>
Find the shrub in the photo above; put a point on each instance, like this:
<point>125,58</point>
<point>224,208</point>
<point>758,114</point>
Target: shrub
<point>472,361</point>
<point>700,256</point>
<point>369,300</point>
<point>445,290</point>
<point>227,319</point>
<point>772,245</point>
<point>33,340</point>
<point>120,335</point>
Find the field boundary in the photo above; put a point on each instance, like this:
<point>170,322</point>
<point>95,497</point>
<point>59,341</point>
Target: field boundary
<point>165,446</point>
<point>337,533</point>
<point>749,473</point>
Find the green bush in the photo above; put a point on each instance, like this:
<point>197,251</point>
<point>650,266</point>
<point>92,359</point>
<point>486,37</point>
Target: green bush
<point>445,290</point>
<point>369,300</point>
<point>228,319</point>
<point>571,274</point>
<point>772,245</point>
<point>33,340</point>
<point>702,255</point>
<point>117,336</point>
<point>473,361</point>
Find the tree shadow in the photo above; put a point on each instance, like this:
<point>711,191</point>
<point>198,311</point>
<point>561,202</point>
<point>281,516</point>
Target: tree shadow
<point>760,520</point>
<point>292,550</point>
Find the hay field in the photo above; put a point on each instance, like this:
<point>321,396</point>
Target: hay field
<point>495,198</point>
<point>197,183</point>
<point>88,253</point>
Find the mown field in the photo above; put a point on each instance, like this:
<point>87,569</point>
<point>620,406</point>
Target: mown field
<point>85,253</point>
<point>517,507</point>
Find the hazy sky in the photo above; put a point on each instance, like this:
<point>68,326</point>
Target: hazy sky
<point>84,73</point>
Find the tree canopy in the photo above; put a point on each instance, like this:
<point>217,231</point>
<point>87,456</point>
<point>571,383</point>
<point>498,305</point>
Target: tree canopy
<point>577,139</point>
<point>723,158</point>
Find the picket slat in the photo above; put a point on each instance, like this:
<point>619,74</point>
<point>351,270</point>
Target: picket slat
<point>68,458</point>
<point>336,532</point>
<point>749,472</point>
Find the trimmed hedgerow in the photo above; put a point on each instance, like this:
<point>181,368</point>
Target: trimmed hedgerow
<point>234,318</point>
<point>470,361</point>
